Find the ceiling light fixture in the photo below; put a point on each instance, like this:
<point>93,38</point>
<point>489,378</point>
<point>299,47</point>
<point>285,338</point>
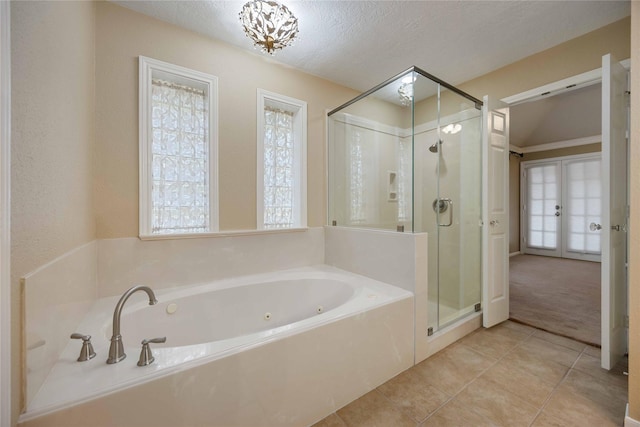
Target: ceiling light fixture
<point>452,128</point>
<point>269,24</point>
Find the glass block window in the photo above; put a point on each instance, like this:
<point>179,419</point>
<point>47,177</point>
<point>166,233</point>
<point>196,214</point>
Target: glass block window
<point>278,168</point>
<point>404,180</point>
<point>178,150</point>
<point>180,158</point>
<point>357,177</point>
<point>281,169</point>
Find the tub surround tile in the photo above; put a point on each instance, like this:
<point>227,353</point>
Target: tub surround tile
<point>57,296</point>
<point>374,410</point>
<point>290,381</point>
<point>169,263</point>
<point>413,394</point>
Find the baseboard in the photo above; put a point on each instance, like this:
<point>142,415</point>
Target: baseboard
<point>514,254</point>
<point>628,421</point>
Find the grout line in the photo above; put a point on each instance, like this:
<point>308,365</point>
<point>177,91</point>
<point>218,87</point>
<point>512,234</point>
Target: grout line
<point>478,376</point>
<point>566,375</point>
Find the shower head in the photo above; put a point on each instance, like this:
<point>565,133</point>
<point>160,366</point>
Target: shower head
<point>435,146</point>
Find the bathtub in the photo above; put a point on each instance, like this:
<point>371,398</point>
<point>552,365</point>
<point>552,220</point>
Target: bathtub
<point>284,348</point>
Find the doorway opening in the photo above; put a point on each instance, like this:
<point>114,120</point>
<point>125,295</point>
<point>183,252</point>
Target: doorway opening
<point>554,197</point>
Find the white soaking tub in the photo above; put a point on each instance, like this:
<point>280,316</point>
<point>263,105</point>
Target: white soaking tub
<point>283,348</point>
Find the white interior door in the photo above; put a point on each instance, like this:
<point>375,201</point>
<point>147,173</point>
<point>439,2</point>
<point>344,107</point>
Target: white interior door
<point>495,237</point>
<point>614,211</point>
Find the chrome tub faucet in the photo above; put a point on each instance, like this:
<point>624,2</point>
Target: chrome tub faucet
<point>116,350</point>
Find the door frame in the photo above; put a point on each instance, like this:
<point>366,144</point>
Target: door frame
<point>5,214</point>
<point>578,81</point>
<point>562,243</point>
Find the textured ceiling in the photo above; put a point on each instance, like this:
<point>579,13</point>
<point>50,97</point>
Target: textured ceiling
<point>361,43</point>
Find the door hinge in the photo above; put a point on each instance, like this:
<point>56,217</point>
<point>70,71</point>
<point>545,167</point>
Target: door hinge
<point>626,321</point>
<point>429,332</point>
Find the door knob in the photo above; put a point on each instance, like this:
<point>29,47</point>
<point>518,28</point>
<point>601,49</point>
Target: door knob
<point>557,214</point>
<point>594,227</point>
<point>494,222</point>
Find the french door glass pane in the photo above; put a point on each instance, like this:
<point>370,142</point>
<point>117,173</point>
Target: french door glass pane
<point>583,205</point>
<point>543,198</point>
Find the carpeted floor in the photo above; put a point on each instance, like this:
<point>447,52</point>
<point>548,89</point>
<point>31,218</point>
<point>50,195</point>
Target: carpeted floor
<point>558,295</point>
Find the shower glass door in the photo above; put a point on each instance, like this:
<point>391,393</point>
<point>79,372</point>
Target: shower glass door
<point>448,154</point>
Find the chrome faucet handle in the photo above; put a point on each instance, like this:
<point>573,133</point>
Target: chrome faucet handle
<point>146,358</point>
<point>86,352</point>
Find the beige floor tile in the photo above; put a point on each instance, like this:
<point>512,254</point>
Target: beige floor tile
<point>572,409</point>
<point>518,327</point>
<point>592,351</point>
<point>546,350</point>
<point>591,366</point>
<point>545,420</point>
<point>498,405</point>
<point>557,339</point>
<point>451,369</point>
<point>607,394</point>
<point>453,414</point>
<point>374,410</point>
<point>496,341</point>
<point>331,421</point>
<point>546,370</point>
<point>521,383</point>
<point>413,394</point>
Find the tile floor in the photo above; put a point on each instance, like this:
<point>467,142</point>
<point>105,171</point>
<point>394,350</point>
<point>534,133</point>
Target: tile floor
<point>509,375</point>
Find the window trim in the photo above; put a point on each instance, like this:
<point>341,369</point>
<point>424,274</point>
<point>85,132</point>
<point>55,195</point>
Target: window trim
<point>299,110</point>
<point>147,68</point>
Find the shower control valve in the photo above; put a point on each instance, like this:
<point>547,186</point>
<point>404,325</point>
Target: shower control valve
<point>146,358</point>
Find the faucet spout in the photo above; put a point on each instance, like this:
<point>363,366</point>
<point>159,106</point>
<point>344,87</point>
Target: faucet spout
<point>116,349</point>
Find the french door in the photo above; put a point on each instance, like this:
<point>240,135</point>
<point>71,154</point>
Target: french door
<point>561,207</point>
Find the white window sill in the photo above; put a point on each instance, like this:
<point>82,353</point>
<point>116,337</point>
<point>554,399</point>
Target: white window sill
<point>229,233</point>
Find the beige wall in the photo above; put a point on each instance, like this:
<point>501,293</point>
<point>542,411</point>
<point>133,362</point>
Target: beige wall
<point>634,235</point>
<point>123,35</point>
<point>564,60</point>
<point>52,141</point>
<point>514,184</point>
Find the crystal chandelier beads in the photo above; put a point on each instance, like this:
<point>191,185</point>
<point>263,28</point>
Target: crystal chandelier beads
<point>269,24</point>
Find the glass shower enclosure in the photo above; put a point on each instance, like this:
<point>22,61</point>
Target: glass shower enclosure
<point>406,156</point>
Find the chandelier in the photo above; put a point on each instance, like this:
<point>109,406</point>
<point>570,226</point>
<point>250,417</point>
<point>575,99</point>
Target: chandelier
<point>269,24</point>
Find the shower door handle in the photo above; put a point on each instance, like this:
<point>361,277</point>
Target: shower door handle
<point>449,203</point>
